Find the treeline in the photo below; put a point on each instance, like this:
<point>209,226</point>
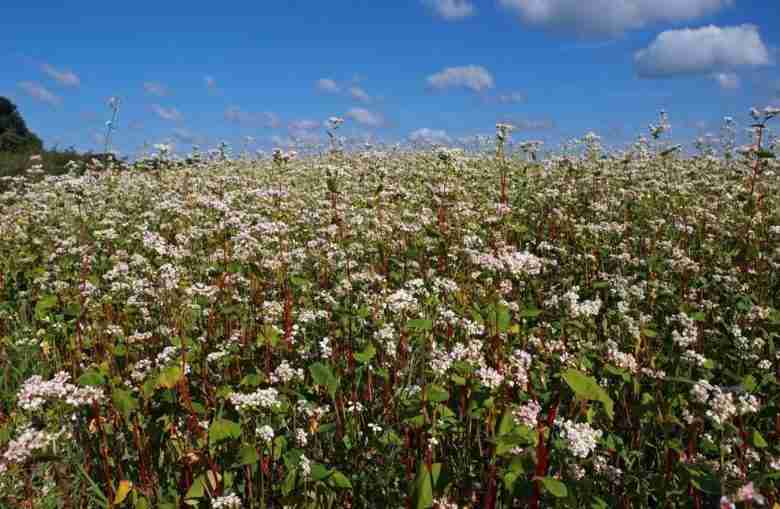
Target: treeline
<point>18,144</point>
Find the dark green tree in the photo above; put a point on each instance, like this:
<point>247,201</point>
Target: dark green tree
<point>14,134</point>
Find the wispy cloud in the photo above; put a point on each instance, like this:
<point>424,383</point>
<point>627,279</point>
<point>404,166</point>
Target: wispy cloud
<point>359,94</point>
<point>727,80</point>
<point>366,117</point>
<point>451,10</point>
<point>470,77</point>
<point>430,136</point>
<point>511,98</point>
<point>304,125</point>
<point>63,77</point>
<point>170,114</point>
<point>237,115</point>
<point>155,88</point>
<point>328,85</point>
<point>187,137</point>
<point>40,93</point>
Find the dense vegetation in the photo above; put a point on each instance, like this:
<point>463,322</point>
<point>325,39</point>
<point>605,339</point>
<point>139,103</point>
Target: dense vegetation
<point>428,329</point>
<point>18,144</point>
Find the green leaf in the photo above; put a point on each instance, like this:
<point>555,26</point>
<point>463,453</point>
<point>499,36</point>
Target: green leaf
<point>366,355</point>
<point>223,429</point>
<point>436,393</point>
<point>758,440</point>
<point>319,472</point>
<point>170,377</point>
<point>124,401</point>
<point>247,455</point>
<point>323,375</point>
<point>587,388</point>
<point>530,313</point>
<point>340,481</point>
<point>44,304</point>
<point>749,383</point>
<point>198,488</point>
<point>92,377</point>
<point>420,324</point>
<point>555,487</point>
<point>422,495</point>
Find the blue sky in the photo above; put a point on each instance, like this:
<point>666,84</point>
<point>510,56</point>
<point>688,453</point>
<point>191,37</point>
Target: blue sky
<point>426,69</point>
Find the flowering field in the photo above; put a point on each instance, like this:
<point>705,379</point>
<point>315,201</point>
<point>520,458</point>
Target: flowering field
<point>426,329</point>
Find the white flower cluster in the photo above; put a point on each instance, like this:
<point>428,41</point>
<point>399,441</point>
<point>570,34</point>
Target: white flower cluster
<point>580,438</point>
<point>266,433</point>
<point>579,308</point>
<point>260,399</point>
<point>400,301</point>
<point>229,501</point>
<point>36,392</point>
<point>528,414</point>
<point>29,440</point>
<point>722,404</point>
<point>689,333</point>
<point>285,373</point>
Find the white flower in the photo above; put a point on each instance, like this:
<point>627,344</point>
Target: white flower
<point>580,438</point>
<point>266,433</point>
<point>229,501</point>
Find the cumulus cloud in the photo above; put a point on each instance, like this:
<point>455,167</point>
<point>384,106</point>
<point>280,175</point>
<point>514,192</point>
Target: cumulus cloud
<point>470,77</point>
<point>170,114</point>
<point>451,10</point>
<point>154,88</point>
<point>727,80</point>
<point>610,17</point>
<point>328,85</point>
<point>701,51</point>
<point>66,78</point>
<point>365,117</point>
<point>359,94</point>
<point>430,136</point>
<point>40,93</point>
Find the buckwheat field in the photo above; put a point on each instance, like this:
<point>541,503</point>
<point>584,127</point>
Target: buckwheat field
<point>395,328</point>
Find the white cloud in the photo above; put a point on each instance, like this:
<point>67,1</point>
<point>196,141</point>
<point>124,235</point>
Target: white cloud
<point>154,88</point>
<point>471,77</point>
<point>451,10</point>
<point>365,117</point>
<point>523,124</point>
<point>328,85</point>
<point>186,137</point>
<point>512,98</point>
<point>727,80</point>
<point>702,51</point>
<point>171,114</point>
<point>430,136</point>
<point>66,78</point>
<point>238,116</point>
<point>610,17</point>
<point>359,94</point>
<point>41,93</point>
<point>304,125</point>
